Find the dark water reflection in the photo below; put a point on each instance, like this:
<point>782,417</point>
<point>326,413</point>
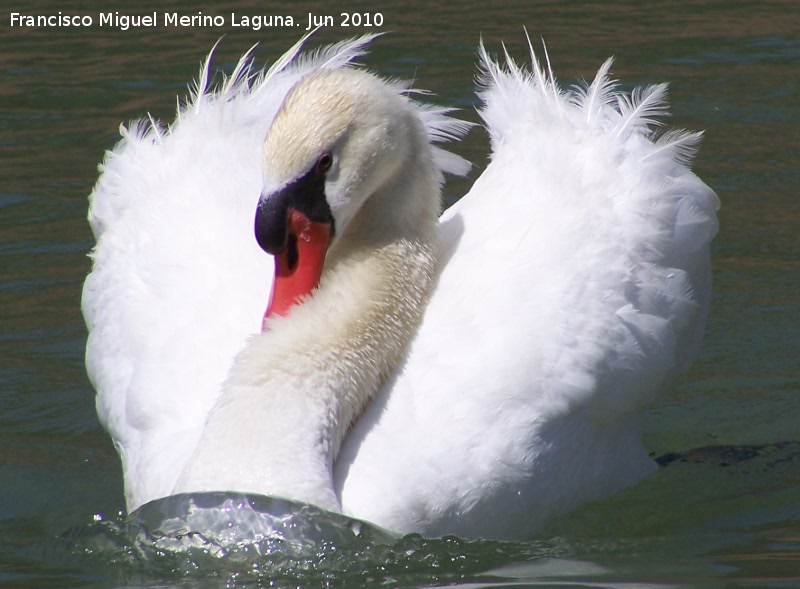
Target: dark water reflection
<point>734,69</point>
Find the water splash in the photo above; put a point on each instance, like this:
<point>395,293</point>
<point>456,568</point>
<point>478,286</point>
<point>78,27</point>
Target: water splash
<point>243,540</point>
<point>225,523</point>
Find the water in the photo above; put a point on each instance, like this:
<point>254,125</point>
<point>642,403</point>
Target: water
<point>726,513</point>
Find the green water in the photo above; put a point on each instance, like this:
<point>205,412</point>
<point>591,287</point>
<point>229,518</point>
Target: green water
<point>725,515</point>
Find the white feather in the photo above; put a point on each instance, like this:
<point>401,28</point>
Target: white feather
<point>573,286</point>
<point>575,289</point>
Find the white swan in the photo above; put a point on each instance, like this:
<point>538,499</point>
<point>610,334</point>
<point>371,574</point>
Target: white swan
<point>473,375</point>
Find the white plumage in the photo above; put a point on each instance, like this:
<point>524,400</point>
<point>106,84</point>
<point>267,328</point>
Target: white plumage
<point>571,286</point>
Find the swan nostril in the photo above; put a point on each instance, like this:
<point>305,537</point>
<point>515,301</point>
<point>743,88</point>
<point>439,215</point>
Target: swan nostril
<point>292,254</point>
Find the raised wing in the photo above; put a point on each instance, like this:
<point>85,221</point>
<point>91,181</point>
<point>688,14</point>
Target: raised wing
<point>574,287</point>
<point>178,281</point>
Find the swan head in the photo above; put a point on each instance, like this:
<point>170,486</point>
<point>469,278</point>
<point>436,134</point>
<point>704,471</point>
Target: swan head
<point>340,138</point>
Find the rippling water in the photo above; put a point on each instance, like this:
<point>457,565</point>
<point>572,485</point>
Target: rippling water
<point>723,511</point>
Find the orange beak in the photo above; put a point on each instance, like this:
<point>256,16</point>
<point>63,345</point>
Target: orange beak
<point>298,266</point>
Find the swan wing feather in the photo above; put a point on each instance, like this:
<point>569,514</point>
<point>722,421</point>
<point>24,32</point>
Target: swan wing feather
<point>574,288</point>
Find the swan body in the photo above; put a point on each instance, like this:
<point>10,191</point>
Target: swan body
<point>475,374</point>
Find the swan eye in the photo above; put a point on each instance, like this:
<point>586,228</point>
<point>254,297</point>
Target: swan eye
<point>324,163</point>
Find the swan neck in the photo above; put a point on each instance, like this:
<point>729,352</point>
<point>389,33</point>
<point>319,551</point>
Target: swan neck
<point>301,384</point>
